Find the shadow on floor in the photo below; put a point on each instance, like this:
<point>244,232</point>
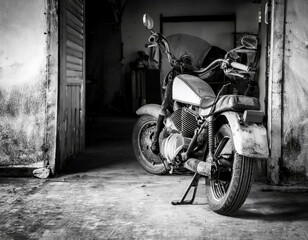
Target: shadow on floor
<point>275,206</point>
<point>108,144</point>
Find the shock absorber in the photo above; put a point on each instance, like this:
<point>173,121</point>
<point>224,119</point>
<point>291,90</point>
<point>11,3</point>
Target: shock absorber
<point>211,134</point>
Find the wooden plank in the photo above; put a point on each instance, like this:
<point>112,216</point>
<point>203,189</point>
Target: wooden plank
<point>73,73</point>
<point>77,5</point>
<point>78,121</point>
<point>73,81</point>
<point>69,118</point>
<point>73,120</point>
<point>74,32</point>
<point>74,19</point>
<point>75,40</point>
<point>75,60</point>
<point>75,26</point>
<point>71,66</point>
<point>62,115</point>
<point>275,89</point>
<point>74,46</point>
<point>74,53</point>
<point>83,94</point>
<point>71,8</point>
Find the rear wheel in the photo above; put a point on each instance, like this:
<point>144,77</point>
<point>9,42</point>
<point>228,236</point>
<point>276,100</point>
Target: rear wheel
<point>227,195</point>
<point>143,133</point>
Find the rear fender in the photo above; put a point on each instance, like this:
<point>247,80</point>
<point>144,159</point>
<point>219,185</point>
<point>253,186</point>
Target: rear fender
<point>149,109</point>
<point>250,140</point>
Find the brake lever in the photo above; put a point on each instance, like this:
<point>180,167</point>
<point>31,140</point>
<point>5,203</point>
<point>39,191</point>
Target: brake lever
<point>150,45</point>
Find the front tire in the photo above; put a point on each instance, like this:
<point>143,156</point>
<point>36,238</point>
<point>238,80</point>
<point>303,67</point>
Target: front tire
<point>226,197</point>
<point>143,133</point>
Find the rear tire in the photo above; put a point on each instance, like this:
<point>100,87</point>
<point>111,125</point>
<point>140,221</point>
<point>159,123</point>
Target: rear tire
<point>143,133</point>
<point>226,197</point>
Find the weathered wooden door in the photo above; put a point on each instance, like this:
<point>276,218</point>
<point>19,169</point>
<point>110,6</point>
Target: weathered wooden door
<point>71,105</point>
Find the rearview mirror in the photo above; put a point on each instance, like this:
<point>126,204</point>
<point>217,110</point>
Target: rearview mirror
<point>147,21</point>
<point>250,42</point>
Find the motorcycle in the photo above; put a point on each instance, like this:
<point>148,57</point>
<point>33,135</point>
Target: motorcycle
<point>216,136</point>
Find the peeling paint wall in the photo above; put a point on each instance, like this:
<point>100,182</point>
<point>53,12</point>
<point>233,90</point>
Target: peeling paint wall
<point>23,81</point>
<point>294,166</point>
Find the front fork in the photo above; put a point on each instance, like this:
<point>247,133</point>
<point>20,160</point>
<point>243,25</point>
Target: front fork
<point>166,103</point>
<point>159,128</point>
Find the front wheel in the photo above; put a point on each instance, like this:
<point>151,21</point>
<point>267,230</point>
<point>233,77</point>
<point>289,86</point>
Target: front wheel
<point>143,133</point>
<point>228,195</point>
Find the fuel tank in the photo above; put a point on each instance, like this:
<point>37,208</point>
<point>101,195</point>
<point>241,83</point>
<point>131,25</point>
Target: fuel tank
<point>192,90</point>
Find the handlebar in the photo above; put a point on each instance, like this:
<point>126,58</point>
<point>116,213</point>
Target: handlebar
<point>203,70</point>
<point>157,39</point>
<point>240,66</point>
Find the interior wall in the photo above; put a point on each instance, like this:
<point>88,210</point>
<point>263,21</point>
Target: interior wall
<point>135,36</point>
<point>295,93</point>
<point>23,81</point>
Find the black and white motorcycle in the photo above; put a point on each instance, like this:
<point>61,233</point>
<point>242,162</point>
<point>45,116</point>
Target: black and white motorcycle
<point>217,136</point>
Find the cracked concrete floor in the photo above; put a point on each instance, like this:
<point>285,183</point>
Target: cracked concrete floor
<point>106,195</point>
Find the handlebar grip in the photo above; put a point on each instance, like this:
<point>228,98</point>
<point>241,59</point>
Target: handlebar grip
<point>240,66</point>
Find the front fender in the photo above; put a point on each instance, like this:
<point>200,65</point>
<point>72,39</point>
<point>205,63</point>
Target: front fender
<point>150,109</point>
<point>249,140</point>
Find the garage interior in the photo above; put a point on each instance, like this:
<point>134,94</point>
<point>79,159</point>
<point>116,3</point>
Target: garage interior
<point>68,102</point>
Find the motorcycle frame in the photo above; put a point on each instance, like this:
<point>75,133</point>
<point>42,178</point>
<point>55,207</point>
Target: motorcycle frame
<point>250,140</point>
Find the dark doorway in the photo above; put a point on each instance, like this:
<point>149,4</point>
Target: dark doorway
<point>104,55</point>
<point>105,90</point>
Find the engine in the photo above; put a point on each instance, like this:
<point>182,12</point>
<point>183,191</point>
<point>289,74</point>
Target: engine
<point>185,121</point>
<point>182,125</point>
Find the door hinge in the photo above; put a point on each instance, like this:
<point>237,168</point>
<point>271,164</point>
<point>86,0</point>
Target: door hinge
<point>267,12</point>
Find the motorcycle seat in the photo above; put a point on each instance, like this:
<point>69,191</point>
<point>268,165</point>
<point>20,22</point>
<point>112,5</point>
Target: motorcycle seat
<point>237,103</point>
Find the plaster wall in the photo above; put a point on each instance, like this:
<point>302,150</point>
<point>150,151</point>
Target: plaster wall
<point>294,166</point>
<point>22,81</point>
<point>135,36</point>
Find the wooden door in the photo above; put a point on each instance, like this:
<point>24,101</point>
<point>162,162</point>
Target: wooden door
<point>71,105</point>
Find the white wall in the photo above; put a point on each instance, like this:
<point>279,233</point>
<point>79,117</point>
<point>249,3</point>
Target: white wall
<point>23,80</point>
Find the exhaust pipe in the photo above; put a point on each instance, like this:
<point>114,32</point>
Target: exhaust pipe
<point>198,166</point>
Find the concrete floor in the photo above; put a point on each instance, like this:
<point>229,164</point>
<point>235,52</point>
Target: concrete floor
<point>108,196</point>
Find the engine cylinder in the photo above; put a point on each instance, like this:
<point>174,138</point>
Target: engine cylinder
<point>172,145</point>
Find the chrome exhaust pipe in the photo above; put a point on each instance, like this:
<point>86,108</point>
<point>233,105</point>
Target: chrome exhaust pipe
<point>198,166</point>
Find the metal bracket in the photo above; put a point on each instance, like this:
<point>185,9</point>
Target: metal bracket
<point>194,184</point>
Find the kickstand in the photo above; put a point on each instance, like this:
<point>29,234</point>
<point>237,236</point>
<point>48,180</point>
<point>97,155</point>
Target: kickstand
<point>193,184</point>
